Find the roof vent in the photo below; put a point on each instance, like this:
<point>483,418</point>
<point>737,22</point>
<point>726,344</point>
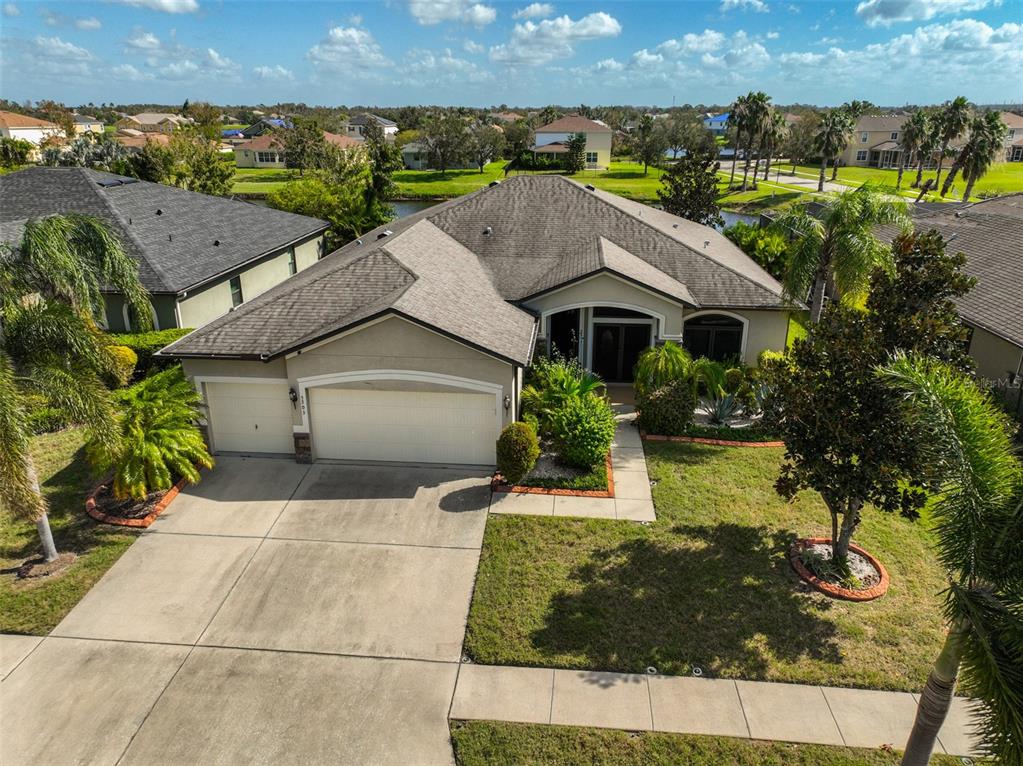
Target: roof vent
<point>383,234</point>
<point>590,187</point>
<point>216,243</point>
<point>706,244</point>
<point>674,226</point>
<point>159,212</point>
<point>488,231</point>
<point>170,237</point>
<point>492,184</point>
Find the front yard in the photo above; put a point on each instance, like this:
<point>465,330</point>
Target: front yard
<point>36,606</point>
<point>708,584</point>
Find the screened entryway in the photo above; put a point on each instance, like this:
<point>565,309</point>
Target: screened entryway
<point>714,336</point>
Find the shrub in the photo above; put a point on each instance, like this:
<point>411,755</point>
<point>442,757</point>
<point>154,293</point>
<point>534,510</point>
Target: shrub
<point>123,361</point>
<point>659,365</point>
<point>517,451</point>
<point>158,439</point>
<point>668,410</point>
<point>767,356</point>
<point>768,247</point>
<point>145,344</point>
<point>41,417</point>
<point>583,429</point>
<point>554,382</point>
<point>734,379</point>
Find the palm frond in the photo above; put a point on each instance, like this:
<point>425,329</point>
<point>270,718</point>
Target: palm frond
<point>19,490</point>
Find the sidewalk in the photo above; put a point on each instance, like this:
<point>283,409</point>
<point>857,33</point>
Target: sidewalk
<point>747,709</point>
<point>632,500</point>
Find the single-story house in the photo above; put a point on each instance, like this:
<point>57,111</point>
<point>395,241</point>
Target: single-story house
<point>989,233</point>
<point>356,126</point>
<point>154,122</point>
<point>31,129</point>
<point>199,256</point>
<point>85,123</point>
<point>266,151</point>
<point>136,139</point>
<point>416,156</point>
<point>716,123</point>
<point>266,125</point>
<point>553,139</point>
<point>410,344</point>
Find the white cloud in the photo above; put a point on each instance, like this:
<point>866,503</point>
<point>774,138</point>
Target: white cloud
<point>355,20</point>
<point>743,54</point>
<point>51,18</point>
<point>771,35</point>
<point>348,48</point>
<point>276,72</point>
<point>143,41</point>
<point>219,62</point>
<point>129,72</point>
<point>744,5</point>
<point>179,70</point>
<point>166,6</point>
<point>11,10</point>
<point>704,42</point>
<point>424,67</point>
<point>534,11</point>
<point>88,24</point>
<point>608,65</point>
<point>61,49</point>
<point>644,58</point>
<point>539,43</point>
<point>429,12</point>
<point>471,46</point>
<point>887,12</point>
<point>54,19</point>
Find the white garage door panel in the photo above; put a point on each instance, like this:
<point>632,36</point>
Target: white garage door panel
<point>405,426</point>
<point>250,417</point>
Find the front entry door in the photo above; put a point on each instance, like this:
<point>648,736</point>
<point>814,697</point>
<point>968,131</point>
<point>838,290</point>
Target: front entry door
<point>616,347</point>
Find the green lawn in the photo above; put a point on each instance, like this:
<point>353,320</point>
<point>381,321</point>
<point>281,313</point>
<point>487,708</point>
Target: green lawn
<point>1002,178</point>
<point>36,607</point>
<point>488,743</point>
<point>708,584</point>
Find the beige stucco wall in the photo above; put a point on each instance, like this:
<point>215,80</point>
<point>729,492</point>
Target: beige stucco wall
<point>606,290</point>
<point>995,357</point>
<point>764,330</point>
<point>247,158</point>
<point>396,344</point>
<point>214,301</point>
<point>595,142</point>
<point>234,368</point>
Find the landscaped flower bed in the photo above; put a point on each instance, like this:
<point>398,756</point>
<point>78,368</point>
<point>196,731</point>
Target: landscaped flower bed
<point>751,436</point>
<point>870,573</point>
<point>550,477</point>
<point>103,506</point>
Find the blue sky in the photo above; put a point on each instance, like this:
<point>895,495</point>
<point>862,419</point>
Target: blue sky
<point>481,53</point>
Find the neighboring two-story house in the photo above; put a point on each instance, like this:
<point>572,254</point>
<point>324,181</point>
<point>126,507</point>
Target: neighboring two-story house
<point>875,142</point>
<point>716,123</point>
<point>356,126</point>
<point>553,139</point>
<point>1013,136</point>
<point>199,256</point>
<point>85,123</point>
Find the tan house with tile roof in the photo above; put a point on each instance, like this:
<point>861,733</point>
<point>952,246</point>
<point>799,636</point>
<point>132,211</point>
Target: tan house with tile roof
<point>31,129</point>
<point>266,151</point>
<point>553,139</point>
<point>1013,136</point>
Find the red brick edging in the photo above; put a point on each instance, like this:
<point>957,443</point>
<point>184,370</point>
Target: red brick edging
<point>497,485</point>
<point>145,521</point>
<point>830,589</point>
<point>702,440</point>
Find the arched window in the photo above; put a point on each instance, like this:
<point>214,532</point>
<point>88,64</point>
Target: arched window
<point>715,336</point>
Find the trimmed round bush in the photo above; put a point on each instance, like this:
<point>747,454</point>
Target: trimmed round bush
<point>734,378</point>
<point>583,429</point>
<point>124,361</point>
<point>517,451</point>
<point>668,410</point>
<point>768,356</point>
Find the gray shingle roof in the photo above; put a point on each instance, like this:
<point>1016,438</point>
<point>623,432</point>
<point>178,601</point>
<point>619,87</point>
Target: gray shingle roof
<point>990,233</point>
<point>461,266</point>
<point>169,231</point>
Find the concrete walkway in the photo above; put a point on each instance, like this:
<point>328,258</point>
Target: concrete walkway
<point>747,709</point>
<point>632,500</point>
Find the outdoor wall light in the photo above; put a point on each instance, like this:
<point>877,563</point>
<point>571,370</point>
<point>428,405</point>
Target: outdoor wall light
<point>507,402</point>
<point>293,395</point>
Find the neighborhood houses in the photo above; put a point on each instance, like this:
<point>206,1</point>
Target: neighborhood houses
<point>490,384</point>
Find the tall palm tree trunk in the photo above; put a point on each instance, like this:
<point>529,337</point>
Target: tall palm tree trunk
<point>42,521</point>
<point>952,173</point>
<point>824,169</point>
<point>745,167</point>
<point>968,191</point>
<point>902,169</point>
<point>817,303</point>
<point>941,163</point>
<point>834,169</point>
<point>935,701</point>
<point>767,167</point>
<point>735,158</point>
<point>919,169</point>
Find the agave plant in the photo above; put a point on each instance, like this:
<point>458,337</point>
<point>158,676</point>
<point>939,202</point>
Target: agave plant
<point>159,440</point>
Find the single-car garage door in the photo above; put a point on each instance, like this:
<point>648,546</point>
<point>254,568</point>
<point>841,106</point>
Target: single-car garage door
<point>403,426</point>
<point>250,417</point>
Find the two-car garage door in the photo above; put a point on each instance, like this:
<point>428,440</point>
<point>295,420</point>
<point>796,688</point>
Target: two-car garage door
<point>404,426</point>
<point>357,423</point>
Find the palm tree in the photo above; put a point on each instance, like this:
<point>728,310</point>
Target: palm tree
<point>978,517</point>
<point>832,136</point>
<point>980,150</point>
<point>50,345</point>
<point>737,118</point>
<point>775,134</point>
<point>914,131</point>
<point>951,121</point>
<point>928,146</point>
<point>987,149</point>
<point>757,115</point>
<point>835,250</point>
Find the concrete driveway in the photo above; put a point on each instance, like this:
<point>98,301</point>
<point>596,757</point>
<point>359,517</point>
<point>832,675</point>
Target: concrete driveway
<point>275,614</point>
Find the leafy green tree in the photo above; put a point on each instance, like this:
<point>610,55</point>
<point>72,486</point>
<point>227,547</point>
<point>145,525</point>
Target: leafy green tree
<point>765,245</point>
<point>153,162</point>
<point>967,457</point>
<point>575,157</point>
<point>949,123</point>
<point>518,138</point>
<point>835,249</point>
<point>302,142</point>
<point>14,152</point>
<point>649,144</point>
<point>444,138</point>
<point>384,161</point>
<point>158,440</point>
<point>799,145</point>
<point>206,117</point>
<point>843,437</point>
<point>690,189</point>
<point>913,137</point>
<point>50,346</point>
<point>913,305</point>
<point>199,166</point>
<point>485,143</point>
<point>834,131</point>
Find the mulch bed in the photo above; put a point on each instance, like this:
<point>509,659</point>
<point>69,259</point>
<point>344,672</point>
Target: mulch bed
<point>37,568</point>
<point>876,583</point>
<point>702,440</point>
<point>497,484</point>
<point>103,506</point>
